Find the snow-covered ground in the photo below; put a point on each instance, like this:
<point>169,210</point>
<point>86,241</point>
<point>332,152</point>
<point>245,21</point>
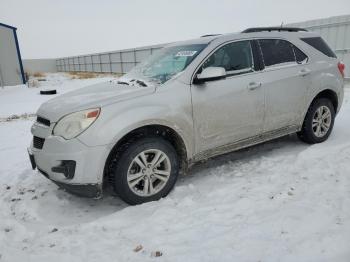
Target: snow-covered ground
<point>18,100</point>
<point>279,201</point>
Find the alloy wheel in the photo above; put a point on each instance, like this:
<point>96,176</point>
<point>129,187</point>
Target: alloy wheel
<point>149,172</point>
<point>321,121</point>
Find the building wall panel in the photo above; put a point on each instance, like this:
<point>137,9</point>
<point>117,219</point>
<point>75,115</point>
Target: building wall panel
<point>10,67</point>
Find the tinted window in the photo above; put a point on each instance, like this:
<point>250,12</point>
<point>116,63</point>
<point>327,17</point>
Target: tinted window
<point>320,45</point>
<point>300,57</point>
<point>234,57</point>
<point>276,51</point>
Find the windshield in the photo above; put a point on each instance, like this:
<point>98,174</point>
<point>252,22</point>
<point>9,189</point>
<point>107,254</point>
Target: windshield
<point>163,65</point>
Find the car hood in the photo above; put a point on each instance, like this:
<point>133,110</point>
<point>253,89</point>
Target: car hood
<point>93,96</point>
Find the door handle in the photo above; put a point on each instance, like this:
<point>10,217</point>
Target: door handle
<point>304,72</point>
<point>253,85</point>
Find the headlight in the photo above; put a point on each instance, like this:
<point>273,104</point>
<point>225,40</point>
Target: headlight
<point>74,124</point>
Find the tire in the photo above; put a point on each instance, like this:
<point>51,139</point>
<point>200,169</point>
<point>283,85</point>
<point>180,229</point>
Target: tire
<point>318,133</point>
<point>129,166</point>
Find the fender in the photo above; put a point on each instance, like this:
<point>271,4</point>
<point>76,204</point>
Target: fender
<point>118,120</point>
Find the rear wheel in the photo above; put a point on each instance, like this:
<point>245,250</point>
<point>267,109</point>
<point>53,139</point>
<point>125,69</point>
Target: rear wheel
<point>146,171</point>
<point>318,122</point>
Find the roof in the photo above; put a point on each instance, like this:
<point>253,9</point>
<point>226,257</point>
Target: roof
<point>8,26</point>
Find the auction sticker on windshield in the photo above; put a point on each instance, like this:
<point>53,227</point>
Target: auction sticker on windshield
<point>186,53</point>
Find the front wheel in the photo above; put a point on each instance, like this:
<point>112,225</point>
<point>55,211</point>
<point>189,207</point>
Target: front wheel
<point>318,122</point>
<point>146,171</point>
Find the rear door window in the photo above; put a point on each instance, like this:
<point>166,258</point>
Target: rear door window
<point>277,52</point>
<point>319,44</point>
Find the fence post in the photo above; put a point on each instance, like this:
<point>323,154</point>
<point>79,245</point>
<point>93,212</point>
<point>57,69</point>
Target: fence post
<point>121,62</point>
<point>85,65</point>
<point>99,56</point>
<point>135,57</point>
<point>110,62</point>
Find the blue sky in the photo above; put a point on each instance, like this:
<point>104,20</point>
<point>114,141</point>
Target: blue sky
<point>48,28</point>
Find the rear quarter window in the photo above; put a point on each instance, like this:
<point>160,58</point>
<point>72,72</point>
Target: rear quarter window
<point>319,44</point>
<point>300,57</point>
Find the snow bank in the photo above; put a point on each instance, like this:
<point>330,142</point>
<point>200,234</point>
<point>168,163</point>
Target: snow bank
<point>279,201</point>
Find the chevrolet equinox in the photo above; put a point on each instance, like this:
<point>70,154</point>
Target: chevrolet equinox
<point>189,101</point>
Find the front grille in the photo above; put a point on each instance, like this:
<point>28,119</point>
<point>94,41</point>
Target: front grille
<point>43,121</point>
<point>38,142</point>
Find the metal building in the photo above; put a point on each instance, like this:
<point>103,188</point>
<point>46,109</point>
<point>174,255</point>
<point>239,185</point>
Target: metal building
<point>336,31</point>
<point>11,68</point>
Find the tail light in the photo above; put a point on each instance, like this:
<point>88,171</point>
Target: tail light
<point>341,68</point>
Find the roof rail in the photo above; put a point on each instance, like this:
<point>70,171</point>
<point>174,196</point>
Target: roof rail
<point>210,35</point>
<point>269,29</point>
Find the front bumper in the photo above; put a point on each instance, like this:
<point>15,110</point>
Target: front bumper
<point>87,176</point>
<point>86,190</point>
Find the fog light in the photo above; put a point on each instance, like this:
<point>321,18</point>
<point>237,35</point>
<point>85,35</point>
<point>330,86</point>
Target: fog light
<point>67,168</point>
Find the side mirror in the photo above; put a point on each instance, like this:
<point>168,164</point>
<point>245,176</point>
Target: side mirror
<point>210,74</point>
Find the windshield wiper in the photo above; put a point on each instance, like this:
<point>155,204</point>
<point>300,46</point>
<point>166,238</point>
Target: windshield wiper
<point>139,82</point>
<point>122,83</point>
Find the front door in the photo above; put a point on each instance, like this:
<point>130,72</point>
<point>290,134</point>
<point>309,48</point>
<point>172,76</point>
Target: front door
<point>231,109</point>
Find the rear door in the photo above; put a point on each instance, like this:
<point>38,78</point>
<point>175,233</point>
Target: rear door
<point>286,80</point>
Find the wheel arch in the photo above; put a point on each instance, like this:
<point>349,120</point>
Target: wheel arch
<point>150,130</point>
<point>331,95</point>
<point>325,93</point>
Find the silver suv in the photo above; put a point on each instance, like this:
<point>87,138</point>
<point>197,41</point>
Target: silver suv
<point>190,101</point>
